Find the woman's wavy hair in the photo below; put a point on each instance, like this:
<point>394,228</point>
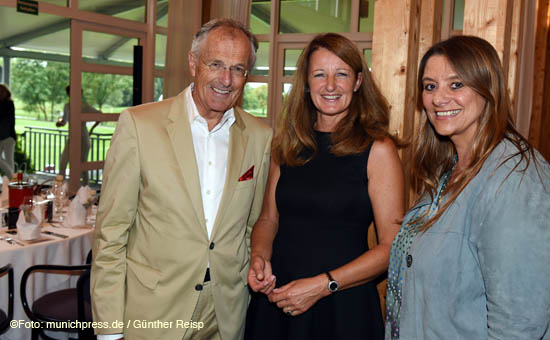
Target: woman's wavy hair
<point>477,64</point>
<point>367,118</point>
<point>5,94</point>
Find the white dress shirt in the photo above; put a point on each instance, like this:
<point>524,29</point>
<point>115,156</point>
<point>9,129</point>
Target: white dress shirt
<point>211,151</point>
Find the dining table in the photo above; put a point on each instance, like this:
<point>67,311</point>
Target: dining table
<point>57,244</point>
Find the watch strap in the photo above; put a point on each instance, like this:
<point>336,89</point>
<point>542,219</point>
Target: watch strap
<point>330,278</point>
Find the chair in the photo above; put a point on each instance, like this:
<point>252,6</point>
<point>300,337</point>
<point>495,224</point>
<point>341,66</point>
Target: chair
<point>66,305</point>
<point>5,319</point>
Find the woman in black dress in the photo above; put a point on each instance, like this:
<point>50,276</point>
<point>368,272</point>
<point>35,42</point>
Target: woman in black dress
<point>334,170</point>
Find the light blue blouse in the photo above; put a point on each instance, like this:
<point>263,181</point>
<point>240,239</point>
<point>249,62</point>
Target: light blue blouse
<point>482,271</point>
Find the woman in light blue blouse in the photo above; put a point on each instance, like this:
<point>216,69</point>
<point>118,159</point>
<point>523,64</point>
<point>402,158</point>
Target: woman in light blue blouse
<point>471,260</point>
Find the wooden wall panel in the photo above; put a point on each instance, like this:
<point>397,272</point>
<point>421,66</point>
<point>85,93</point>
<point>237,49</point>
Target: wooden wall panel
<point>538,136</point>
<point>430,28</point>
<point>394,65</point>
<point>544,138</point>
<point>518,12</point>
<point>394,58</point>
<point>395,46</point>
<point>523,98</point>
<point>430,25</point>
<point>184,19</point>
<point>492,21</point>
<point>235,9</point>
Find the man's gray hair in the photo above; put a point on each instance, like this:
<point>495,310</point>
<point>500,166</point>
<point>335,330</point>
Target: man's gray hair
<point>203,32</point>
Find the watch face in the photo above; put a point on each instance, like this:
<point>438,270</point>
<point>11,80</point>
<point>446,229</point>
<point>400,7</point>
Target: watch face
<point>333,286</point>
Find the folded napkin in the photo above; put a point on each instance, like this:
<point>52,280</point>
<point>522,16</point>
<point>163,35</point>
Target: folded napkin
<point>76,216</point>
<point>5,198</point>
<point>28,227</point>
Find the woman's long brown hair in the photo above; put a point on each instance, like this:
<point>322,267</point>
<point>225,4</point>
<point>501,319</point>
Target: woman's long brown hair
<point>477,64</point>
<point>367,118</point>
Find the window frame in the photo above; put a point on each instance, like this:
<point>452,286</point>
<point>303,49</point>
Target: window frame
<point>278,42</point>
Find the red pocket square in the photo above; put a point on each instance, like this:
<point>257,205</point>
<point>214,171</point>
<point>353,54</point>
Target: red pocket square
<point>249,174</point>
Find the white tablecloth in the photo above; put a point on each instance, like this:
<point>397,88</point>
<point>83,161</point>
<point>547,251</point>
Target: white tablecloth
<point>69,251</point>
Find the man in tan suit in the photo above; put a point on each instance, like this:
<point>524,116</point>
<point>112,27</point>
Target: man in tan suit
<point>183,185</point>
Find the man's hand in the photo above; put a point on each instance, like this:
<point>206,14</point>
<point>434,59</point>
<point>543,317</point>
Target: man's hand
<point>260,277</point>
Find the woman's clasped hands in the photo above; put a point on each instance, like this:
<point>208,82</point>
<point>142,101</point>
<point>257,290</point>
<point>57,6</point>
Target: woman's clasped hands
<point>294,298</point>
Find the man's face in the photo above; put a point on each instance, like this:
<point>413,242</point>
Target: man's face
<point>217,69</point>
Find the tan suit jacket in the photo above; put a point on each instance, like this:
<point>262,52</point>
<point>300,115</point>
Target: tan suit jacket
<point>151,247</point>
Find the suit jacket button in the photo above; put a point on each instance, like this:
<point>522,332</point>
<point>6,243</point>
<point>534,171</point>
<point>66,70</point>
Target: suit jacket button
<point>212,246</point>
<point>409,260</point>
<point>198,287</point>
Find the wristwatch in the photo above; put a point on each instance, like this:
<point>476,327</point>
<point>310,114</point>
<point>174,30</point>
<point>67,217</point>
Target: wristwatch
<point>332,283</point>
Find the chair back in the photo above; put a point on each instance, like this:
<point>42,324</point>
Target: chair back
<point>5,324</point>
<point>82,292</point>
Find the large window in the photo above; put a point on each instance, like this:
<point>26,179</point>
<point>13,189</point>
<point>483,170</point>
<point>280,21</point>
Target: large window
<point>125,9</point>
<point>295,23</point>
<point>314,16</point>
<point>452,20</point>
<point>90,44</point>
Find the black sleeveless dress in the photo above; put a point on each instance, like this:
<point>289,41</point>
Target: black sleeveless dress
<point>324,214</point>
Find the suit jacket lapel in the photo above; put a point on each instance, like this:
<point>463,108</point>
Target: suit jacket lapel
<point>179,130</point>
<point>238,140</point>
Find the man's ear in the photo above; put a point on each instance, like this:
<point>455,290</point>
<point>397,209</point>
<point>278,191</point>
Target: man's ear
<point>193,63</point>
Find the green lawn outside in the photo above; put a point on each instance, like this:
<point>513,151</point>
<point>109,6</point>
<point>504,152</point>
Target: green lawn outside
<point>257,112</point>
<point>21,123</point>
<point>45,149</point>
<point>21,110</point>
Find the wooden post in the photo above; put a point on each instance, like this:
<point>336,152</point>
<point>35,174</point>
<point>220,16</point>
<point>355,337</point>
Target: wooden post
<point>430,25</point>
<point>431,12</point>
<point>75,107</point>
<point>518,13</point>
<point>394,65</point>
<point>544,139</point>
<point>523,98</point>
<point>540,116</point>
<point>184,19</point>
<point>235,9</point>
<point>149,54</point>
<point>394,58</point>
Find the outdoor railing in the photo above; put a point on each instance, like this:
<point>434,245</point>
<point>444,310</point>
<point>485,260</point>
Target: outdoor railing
<point>43,146</point>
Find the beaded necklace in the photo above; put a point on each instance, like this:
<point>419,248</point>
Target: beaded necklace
<point>399,256</point>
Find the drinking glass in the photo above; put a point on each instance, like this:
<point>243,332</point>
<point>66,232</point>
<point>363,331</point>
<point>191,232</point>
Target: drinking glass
<point>27,206</point>
<point>59,202</point>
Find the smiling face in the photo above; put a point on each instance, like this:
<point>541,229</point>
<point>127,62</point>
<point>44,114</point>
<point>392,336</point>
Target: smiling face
<point>216,91</point>
<point>332,83</point>
<point>453,108</point>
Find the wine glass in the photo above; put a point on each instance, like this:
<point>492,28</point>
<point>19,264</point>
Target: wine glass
<point>59,201</point>
<point>27,205</point>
